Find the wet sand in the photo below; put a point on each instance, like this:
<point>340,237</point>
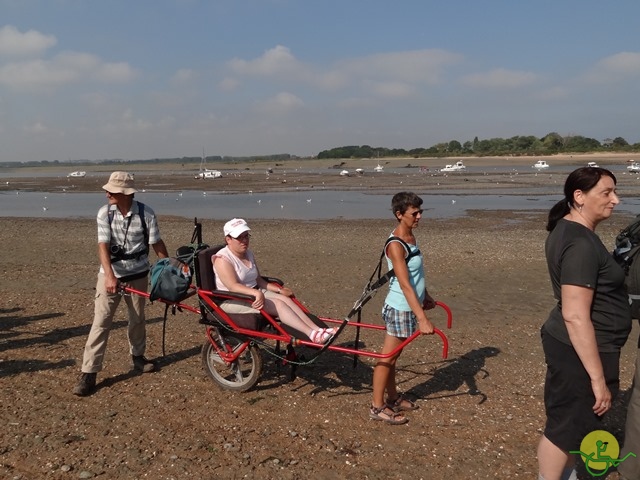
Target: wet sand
<point>481,410</point>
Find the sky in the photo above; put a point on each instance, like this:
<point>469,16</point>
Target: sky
<point>140,79</point>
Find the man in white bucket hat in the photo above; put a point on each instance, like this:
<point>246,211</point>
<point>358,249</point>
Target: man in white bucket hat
<point>126,228</point>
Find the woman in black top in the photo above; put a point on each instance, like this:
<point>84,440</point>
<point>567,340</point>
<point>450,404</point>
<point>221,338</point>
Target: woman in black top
<point>589,325</point>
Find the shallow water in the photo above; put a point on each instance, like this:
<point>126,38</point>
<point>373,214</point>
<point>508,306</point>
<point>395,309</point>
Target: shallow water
<point>316,205</point>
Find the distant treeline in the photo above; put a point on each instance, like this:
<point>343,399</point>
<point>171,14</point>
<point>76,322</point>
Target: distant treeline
<point>181,160</point>
<point>550,144</point>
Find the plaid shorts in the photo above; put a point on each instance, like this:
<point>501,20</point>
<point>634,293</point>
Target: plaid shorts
<point>400,323</point>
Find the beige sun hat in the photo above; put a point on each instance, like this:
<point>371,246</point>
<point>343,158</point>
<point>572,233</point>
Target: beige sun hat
<point>120,182</point>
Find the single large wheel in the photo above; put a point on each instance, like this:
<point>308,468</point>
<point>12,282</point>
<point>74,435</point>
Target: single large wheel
<point>238,376</point>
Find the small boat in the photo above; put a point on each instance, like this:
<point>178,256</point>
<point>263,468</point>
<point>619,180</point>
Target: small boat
<point>540,165</point>
<point>457,167</point>
<point>634,167</point>
<point>593,165</point>
<point>206,173</point>
<point>77,174</point>
<point>378,168</point>
<point>344,173</point>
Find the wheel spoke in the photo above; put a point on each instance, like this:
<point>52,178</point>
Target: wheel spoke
<point>241,374</point>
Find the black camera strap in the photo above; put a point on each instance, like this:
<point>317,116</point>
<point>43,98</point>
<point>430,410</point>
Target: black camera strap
<point>145,230</point>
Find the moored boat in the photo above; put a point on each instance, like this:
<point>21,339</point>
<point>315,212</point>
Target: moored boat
<point>457,167</point>
<point>206,173</point>
<point>634,167</point>
<point>540,165</point>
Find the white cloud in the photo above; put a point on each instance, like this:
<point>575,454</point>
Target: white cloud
<point>120,72</point>
<point>391,74</point>
<point>63,69</point>
<point>554,93</point>
<point>356,103</point>
<point>34,75</point>
<point>128,123</point>
<point>331,80</point>
<point>281,103</point>
<point>167,121</point>
<point>393,89</point>
<point>415,66</point>
<point>96,99</point>
<point>13,42</point>
<point>36,128</point>
<point>228,84</point>
<point>620,66</point>
<point>500,78</point>
<point>624,62</point>
<point>277,61</point>
<point>184,75</point>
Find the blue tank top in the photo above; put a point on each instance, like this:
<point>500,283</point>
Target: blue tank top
<point>395,297</point>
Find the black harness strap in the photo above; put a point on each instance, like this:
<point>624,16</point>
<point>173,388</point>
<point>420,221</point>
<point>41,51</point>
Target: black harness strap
<point>377,279</point>
<point>387,276</point>
<point>373,286</point>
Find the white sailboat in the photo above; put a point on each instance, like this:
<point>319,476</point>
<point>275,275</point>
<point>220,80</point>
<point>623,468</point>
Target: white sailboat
<point>206,172</point>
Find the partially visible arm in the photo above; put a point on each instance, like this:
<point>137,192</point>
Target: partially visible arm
<point>395,252</point>
<point>154,234</point>
<point>576,312</point>
<point>110,280</point>
<point>161,249</point>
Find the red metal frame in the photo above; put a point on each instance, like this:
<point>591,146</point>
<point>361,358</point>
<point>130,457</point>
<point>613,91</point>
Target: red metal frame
<point>280,334</point>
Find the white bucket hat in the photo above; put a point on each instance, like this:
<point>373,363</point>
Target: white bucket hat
<point>120,182</point>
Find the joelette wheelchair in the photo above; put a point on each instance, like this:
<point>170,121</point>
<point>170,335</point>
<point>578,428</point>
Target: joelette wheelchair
<point>232,350</point>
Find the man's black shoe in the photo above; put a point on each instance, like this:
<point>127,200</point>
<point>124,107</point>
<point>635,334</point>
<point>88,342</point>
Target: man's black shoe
<point>86,384</point>
<point>141,364</point>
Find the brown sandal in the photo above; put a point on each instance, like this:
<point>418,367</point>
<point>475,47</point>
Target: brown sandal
<point>386,414</point>
<point>401,404</point>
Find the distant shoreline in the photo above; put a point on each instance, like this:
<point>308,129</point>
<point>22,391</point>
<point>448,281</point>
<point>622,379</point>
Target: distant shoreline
<point>510,176</point>
<point>395,162</point>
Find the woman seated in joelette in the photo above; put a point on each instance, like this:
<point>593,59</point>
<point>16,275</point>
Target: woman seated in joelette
<point>236,271</point>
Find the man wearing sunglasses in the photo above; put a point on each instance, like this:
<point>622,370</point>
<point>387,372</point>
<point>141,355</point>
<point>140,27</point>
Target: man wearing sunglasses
<point>126,228</point>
